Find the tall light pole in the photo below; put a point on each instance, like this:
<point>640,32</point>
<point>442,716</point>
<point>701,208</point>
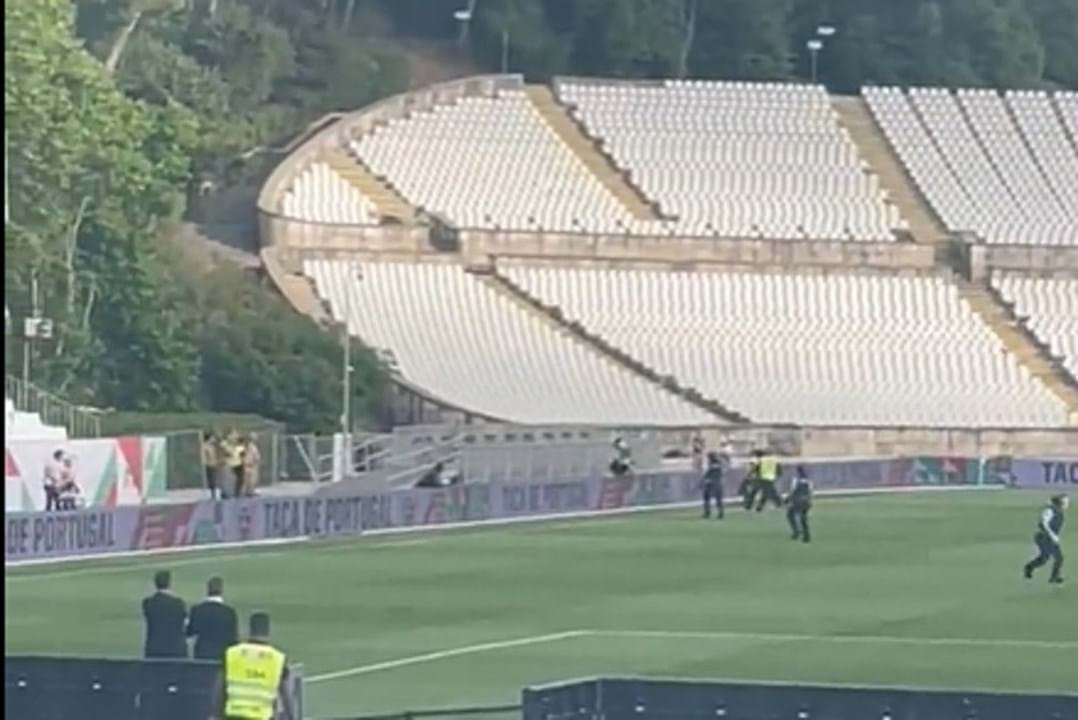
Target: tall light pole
<point>354,274</point>
<point>464,17</point>
<point>815,45</point>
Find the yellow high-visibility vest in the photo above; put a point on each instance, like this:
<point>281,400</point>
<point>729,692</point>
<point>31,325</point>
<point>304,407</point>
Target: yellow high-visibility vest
<point>252,675</point>
<point>769,469</point>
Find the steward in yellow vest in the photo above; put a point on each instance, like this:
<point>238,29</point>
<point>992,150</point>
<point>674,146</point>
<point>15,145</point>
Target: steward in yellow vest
<point>769,474</point>
<point>255,674</point>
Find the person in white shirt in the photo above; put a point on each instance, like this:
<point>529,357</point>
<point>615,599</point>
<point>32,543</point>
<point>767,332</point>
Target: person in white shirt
<point>52,482</point>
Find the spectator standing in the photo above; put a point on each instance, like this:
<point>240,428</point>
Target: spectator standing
<point>209,463</point>
<point>252,464</point>
<point>213,624</point>
<point>70,492</point>
<point>51,480</point>
<point>165,615</point>
<point>234,452</point>
<point>697,452</point>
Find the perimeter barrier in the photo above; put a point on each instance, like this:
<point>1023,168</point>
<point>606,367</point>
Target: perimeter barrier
<point>61,688</point>
<point>638,699</point>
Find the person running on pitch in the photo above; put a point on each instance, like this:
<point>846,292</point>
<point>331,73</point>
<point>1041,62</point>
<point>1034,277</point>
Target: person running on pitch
<point>799,502</point>
<point>1048,540</point>
<point>713,485</point>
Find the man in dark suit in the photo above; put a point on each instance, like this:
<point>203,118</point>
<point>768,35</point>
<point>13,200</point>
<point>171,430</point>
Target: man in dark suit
<point>165,615</point>
<point>213,624</point>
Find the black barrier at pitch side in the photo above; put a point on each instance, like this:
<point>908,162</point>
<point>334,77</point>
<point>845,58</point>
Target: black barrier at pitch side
<point>629,699</point>
<point>58,688</point>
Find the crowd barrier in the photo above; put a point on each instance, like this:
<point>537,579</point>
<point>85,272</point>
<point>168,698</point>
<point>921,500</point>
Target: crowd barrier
<point>341,512</point>
<point>61,688</point>
<point>625,699</point>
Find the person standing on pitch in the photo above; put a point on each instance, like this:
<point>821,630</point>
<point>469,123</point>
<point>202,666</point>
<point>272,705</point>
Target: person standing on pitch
<point>165,615</point>
<point>1048,540</point>
<point>713,486</point>
<point>213,624</point>
<point>799,503</point>
<point>256,676</point>
<point>769,476</point>
<point>750,485</point>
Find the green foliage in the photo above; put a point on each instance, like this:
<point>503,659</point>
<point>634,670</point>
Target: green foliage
<point>102,150</point>
<point>994,43</point>
<point>260,357</point>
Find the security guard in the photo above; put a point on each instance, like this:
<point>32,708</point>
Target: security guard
<point>713,485</point>
<point>799,502</point>
<point>769,476</point>
<point>255,674</point>
<point>1048,540</point>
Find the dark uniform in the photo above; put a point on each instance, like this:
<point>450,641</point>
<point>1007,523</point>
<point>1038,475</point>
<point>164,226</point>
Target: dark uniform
<point>1049,541</point>
<point>769,475</point>
<point>750,485</point>
<point>712,486</point>
<point>799,503</point>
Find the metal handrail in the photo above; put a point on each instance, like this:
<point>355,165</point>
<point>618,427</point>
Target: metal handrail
<point>53,410</point>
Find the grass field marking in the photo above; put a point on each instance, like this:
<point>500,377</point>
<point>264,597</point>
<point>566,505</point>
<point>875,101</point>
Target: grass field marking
<point>850,639</point>
<point>304,541</point>
<point>444,654</point>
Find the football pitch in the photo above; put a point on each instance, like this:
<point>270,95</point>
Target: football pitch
<point>919,590</point>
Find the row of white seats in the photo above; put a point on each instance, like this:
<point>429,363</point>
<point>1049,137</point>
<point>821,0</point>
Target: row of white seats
<point>1050,307</point>
<point>319,194</point>
<point>492,158</point>
<point>468,345</point>
<point>850,349</point>
<point>1006,179</point>
<point>726,189</point>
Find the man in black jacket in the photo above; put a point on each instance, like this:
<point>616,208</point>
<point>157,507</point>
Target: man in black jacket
<point>165,615</point>
<point>213,624</point>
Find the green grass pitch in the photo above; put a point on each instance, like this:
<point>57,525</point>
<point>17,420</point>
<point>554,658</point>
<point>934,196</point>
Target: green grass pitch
<point>921,590</point>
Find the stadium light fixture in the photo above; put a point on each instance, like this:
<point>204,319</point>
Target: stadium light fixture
<point>825,31</point>
<point>814,47</point>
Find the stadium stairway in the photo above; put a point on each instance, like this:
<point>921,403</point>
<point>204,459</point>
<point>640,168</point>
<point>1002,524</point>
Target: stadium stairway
<point>855,117</point>
<point>990,306</point>
<point>588,151</point>
<point>553,316</point>
<point>387,201</point>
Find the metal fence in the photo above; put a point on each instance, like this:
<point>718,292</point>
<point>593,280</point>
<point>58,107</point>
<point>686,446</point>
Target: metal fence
<point>53,410</point>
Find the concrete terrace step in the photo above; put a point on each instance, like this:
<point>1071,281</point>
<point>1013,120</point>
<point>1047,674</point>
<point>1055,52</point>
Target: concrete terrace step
<point>587,150</point>
<point>387,201</point>
<point>1021,343</point>
<point>875,150</point>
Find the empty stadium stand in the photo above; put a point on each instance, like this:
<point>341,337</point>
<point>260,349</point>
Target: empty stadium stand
<point>996,167</point>
<point>468,345</point>
<point>492,162</point>
<point>738,159</point>
<point>1050,309</point>
<point>814,349</point>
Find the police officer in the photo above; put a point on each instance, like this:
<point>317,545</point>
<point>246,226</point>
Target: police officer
<point>1048,540</point>
<point>799,502</point>
<point>256,674</point>
<point>768,478</point>
<point>713,485</point>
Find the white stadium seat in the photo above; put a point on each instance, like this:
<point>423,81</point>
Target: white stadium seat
<point>812,349</point>
<point>1001,168</point>
<point>468,345</point>
<point>1050,307</point>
